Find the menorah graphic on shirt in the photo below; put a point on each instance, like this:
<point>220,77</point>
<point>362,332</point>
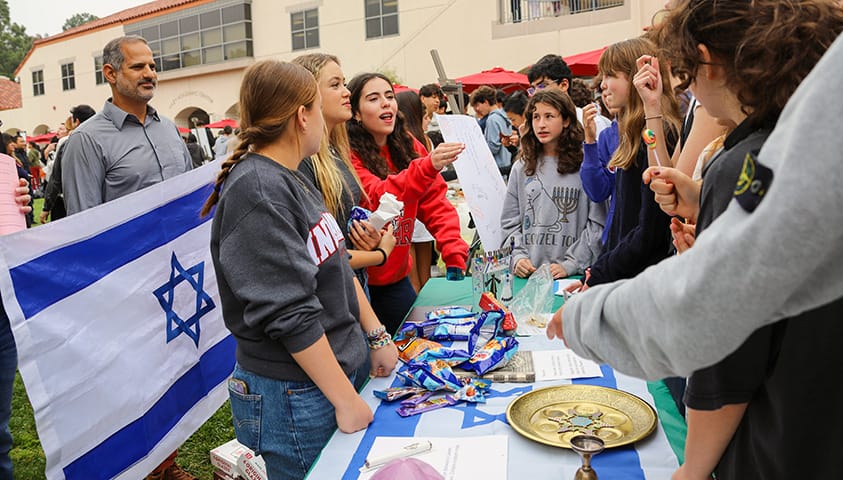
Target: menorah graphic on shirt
<point>566,200</point>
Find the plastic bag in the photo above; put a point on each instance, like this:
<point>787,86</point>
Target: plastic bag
<point>535,299</point>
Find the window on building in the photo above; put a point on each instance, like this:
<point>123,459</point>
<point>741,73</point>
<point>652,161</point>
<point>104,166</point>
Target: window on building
<point>68,78</point>
<point>210,36</point>
<point>381,18</point>
<point>98,70</point>
<point>37,83</point>
<point>305,29</point>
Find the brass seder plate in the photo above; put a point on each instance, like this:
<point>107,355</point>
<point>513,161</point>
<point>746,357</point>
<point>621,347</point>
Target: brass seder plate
<point>617,417</point>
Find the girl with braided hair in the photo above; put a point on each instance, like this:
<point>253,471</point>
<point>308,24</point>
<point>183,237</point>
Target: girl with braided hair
<point>287,291</point>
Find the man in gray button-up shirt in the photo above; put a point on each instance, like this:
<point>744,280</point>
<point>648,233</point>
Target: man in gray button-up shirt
<point>127,146</point>
<point>124,148</point>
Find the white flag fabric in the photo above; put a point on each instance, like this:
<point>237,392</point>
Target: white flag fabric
<point>118,324</point>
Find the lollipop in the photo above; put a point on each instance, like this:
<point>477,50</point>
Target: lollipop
<point>649,137</point>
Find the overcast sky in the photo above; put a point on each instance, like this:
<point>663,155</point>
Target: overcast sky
<point>47,16</point>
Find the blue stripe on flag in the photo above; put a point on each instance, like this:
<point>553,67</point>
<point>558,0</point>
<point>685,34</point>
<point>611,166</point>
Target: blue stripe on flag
<point>76,266</point>
<point>384,425</point>
<point>621,462</point>
<point>134,441</point>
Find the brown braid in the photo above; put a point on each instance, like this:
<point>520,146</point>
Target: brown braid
<point>229,163</point>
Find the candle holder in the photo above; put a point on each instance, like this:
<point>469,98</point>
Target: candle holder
<point>586,446</point>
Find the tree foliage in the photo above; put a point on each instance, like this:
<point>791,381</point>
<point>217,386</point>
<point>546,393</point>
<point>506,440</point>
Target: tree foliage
<point>14,42</point>
<point>78,19</point>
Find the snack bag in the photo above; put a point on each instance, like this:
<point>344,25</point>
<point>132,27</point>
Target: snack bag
<point>496,353</point>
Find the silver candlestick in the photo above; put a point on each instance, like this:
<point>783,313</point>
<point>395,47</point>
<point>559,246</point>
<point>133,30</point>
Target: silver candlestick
<point>586,446</point>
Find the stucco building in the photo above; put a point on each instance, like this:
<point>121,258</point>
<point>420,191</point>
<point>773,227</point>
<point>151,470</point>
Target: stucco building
<point>203,46</point>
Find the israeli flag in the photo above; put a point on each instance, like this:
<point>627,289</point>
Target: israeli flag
<point>119,330</point>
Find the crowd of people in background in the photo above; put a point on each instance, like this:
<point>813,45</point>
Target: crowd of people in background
<point>587,194</point>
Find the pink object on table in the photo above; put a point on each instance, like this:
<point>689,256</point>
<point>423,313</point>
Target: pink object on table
<point>407,469</point>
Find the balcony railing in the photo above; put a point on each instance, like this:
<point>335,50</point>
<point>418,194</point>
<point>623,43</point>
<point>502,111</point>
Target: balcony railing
<point>516,11</point>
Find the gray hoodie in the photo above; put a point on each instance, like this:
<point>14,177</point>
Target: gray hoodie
<point>748,269</point>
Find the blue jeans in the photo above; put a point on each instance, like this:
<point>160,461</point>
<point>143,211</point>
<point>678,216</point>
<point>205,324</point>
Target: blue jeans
<point>287,423</point>
<point>392,303</point>
<point>8,366</point>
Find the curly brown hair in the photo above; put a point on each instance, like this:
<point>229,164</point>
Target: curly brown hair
<point>400,141</point>
<point>766,47</point>
<point>569,151</point>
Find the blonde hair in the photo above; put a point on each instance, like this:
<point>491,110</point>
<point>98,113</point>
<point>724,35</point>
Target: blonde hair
<point>329,178</point>
<point>270,96</point>
<point>620,58</point>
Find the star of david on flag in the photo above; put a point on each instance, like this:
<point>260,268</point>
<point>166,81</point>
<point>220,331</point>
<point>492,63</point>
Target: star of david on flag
<point>166,294</point>
<point>128,268</point>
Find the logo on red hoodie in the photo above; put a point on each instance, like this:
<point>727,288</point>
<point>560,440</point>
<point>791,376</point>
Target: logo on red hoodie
<point>325,239</point>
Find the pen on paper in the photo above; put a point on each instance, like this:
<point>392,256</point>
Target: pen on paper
<point>407,451</point>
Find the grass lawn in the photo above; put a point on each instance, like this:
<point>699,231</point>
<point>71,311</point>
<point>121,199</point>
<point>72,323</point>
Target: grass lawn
<point>28,457</point>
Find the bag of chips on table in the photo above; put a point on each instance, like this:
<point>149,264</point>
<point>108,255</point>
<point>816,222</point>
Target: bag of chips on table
<point>395,393</point>
<point>432,375</point>
<point>495,354</point>
<point>421,350</point>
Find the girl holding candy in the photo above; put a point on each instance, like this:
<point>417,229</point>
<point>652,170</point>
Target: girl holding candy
<point>389,160</point>
<point>330,169</point>
<point>287,292</point>
<point>639,235</point>
<point>744,60</point>
<point>546,210</point>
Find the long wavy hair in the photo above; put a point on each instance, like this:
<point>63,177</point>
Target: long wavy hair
<point>329,178</point>
<point>620,58</point>
<point>270,95</point>
<point>766,47</point>
<point>569,151</point>
<point>410,104</point>
<point>399,142</point>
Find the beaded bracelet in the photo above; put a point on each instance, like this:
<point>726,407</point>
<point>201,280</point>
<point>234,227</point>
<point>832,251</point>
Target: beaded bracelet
<point>378,338</point>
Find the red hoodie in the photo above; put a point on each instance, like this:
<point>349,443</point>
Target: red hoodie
<point>422,190</point>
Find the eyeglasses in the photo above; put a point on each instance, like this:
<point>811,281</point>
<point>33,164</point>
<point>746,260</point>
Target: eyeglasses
<point>540,86</point>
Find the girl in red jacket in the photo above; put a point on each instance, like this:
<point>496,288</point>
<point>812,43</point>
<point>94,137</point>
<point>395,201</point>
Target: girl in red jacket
<point>388,159</point>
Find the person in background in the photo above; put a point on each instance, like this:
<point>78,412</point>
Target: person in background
<point>221,144</point>
<point>421,250</point>
<point>36,169</point>
<point>484,102</point>
<point>197,154</point>
<point>514,107</point>
<point>546,213</point>
<point>431,96</point>
<point>113,153</point>
<point>288,295</point>
<point>54,208</point>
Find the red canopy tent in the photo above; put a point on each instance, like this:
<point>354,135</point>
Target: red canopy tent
<point>585,64</point>
<point>43,138</point>
<point>498,77</point>
<point>225,122</point>
<point>398,88</point>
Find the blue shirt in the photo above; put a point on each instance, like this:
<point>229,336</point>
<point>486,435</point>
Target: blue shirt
<point>113,154</point>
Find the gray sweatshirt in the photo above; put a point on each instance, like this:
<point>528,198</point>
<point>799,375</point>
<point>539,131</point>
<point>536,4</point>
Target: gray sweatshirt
<point>551,218</point>
<point>748,269</point>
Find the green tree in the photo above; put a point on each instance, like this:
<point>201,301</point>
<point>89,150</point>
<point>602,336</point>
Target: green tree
<point>14,42</point>
<point>78,19</point>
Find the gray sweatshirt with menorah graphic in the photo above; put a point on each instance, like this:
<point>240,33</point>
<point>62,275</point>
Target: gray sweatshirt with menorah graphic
<point>551,218</point>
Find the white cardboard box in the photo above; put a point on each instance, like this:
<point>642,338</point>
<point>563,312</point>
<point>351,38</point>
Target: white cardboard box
<point>226,455</point>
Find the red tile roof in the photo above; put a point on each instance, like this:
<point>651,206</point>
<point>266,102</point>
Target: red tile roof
<point>150,9</point>
<point>10,97</point>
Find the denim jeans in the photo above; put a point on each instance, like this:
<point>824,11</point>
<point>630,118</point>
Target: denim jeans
<point>392,303</point>
<point>8,366</point>
<point>287,423</point>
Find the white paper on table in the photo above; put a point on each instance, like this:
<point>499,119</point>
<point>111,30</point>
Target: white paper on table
<point>559,286</point>
<point>529,327</point>
<point>563,364</point>
<point>463,458</point>
<point>479,176</point>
